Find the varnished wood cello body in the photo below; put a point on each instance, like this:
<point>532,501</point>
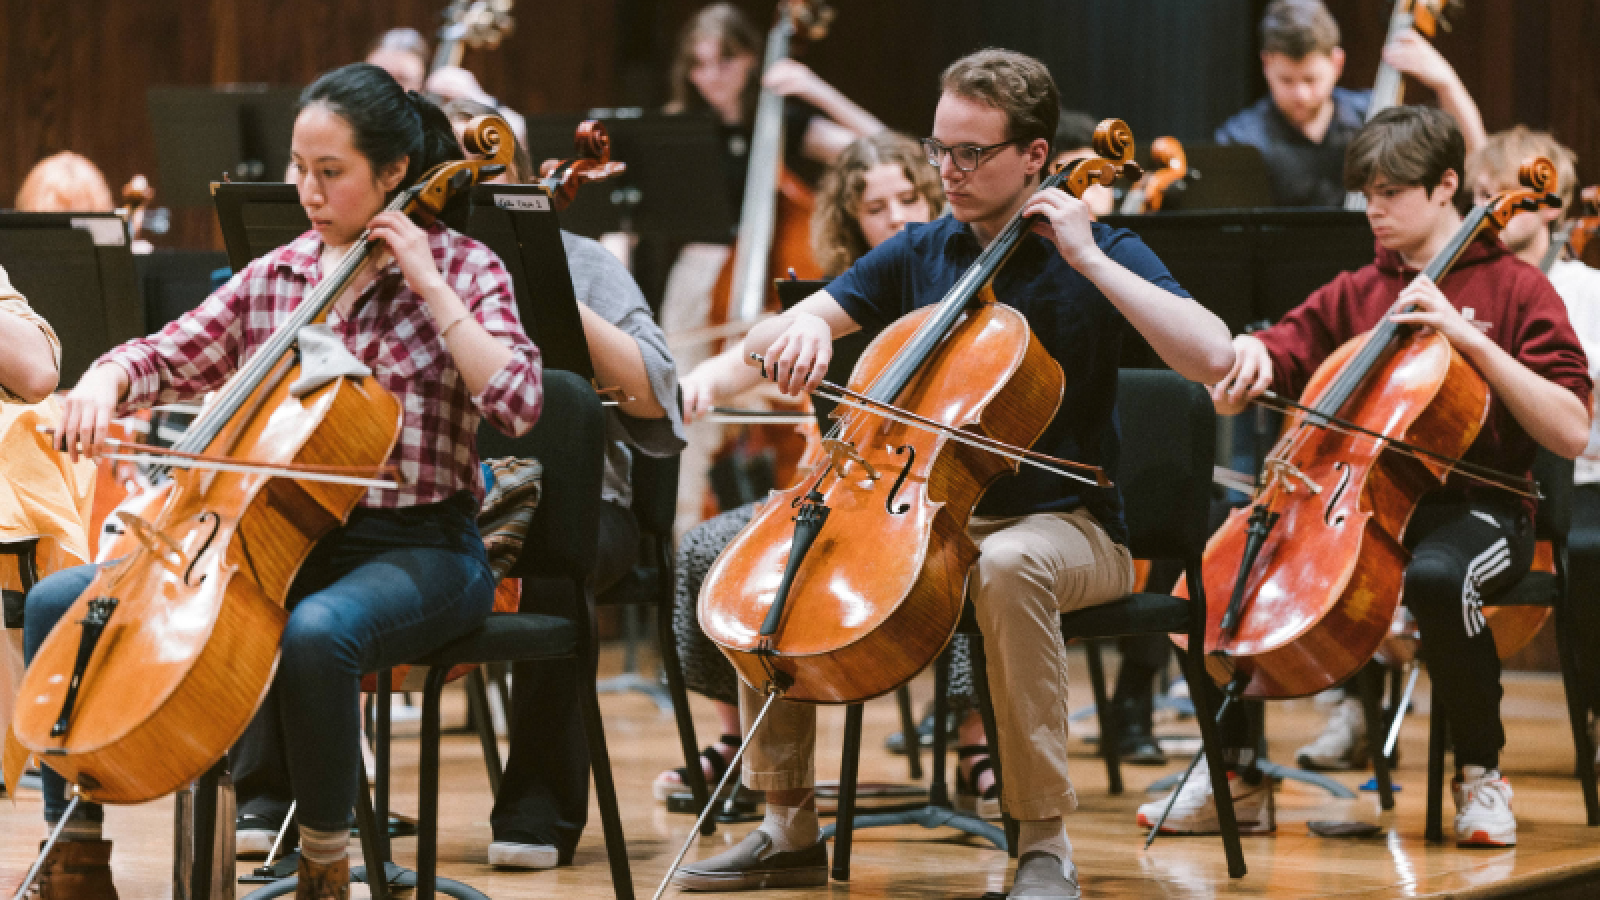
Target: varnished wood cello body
<point>1313,571</point>
<point>869,597</point>
<point>159,666</point>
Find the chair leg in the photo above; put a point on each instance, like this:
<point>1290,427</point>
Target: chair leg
<point>679,692</point>
<point>605,787</point>
<point>1369,680</point>
<point>478,701</point>
<point>1578,703</point>
<point>980,680</point>
<point>428,802</point>
<point>849,770</point>
<point>1211,742</point>
<point>382,734</point>
<point>1438,736</point>
<point>1109,725</point>
<point>908,728</point>
<point>939,785</point>
<point>373,851</point>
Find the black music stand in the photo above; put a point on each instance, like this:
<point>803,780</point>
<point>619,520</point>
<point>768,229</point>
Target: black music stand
<point>1247,265</point>
<point>1223,176</point>
<point>76,269</point>
<point>675,188</point>
<point>202,133</point>
<point>514,221</point>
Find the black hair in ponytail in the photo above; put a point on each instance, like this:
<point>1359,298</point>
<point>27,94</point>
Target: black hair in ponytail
<point>389,122</point>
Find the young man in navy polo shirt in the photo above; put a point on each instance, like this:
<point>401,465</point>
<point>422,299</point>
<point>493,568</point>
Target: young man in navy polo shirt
<point>1047,545</point>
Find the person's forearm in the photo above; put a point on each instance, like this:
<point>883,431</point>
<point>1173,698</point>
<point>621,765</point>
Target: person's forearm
<point>1187,336</point>
<point>1551,414</point>
<point>1454,99</point>
<point>478,355</point>
<point>836,106</point>
<point>28,365</point>
<point>619,363</point>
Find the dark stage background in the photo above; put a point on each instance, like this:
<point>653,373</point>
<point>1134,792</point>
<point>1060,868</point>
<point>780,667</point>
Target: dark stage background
<point>75,72</point>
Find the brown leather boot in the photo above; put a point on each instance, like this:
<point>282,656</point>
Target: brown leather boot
<point>76,870</point>
<point>323,881</point>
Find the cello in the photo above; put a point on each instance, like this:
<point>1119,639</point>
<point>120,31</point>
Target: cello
<point>1315,567</point>
<point>1426,17</point>
<point>161,663</point>
<point>848,583</point>
<point>1169,170</point>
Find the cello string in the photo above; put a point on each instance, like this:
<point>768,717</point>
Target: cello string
<point>711,800</point>
<point>1485,474</point>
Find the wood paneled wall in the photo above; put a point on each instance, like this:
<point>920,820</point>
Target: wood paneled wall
<point>73,73</point>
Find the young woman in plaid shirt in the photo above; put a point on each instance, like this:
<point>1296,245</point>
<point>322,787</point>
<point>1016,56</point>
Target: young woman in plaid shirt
<point>436,321</point>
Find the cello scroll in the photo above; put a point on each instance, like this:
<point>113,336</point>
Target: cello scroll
<point>562,178</point>
<point>1114,144</point>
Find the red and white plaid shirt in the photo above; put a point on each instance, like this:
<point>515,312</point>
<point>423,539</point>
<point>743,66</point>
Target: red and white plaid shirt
<point>391,330</point>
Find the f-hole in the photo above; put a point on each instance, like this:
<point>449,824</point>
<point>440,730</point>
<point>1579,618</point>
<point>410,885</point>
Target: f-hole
<point>216,525</point>
<point>1328,514</point>
<point>888,503</point>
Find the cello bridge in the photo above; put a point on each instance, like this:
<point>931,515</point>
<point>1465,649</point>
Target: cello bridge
<point>1281,470</point>
<point>842,453</point>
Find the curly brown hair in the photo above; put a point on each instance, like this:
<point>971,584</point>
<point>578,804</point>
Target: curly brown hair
<point>736,34</point>
<point>836,237</point>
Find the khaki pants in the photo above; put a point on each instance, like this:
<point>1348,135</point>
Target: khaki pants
<point>1031,569</point>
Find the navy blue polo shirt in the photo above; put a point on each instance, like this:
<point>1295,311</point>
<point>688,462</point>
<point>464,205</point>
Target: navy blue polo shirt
<point>1075,322</point>
<point>1302,173</point>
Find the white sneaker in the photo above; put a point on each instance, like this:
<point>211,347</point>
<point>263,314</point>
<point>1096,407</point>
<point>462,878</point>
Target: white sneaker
<point>1483,809</point>
<point>510,855</point>
<point>1195,811</point>
<point>1342,745</point>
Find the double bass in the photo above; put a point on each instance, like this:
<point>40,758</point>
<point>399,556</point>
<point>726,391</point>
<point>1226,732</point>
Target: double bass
<point>848,583</point>
<point>1425,17</point>
<point>1314,568</point>
<point>161,663</point>
<point>774,239</point>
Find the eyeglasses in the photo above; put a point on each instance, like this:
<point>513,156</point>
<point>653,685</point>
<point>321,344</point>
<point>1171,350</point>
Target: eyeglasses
<point>966,156</point>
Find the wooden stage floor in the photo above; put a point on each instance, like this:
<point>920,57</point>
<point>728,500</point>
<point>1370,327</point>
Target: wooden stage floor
<point>911,862</point>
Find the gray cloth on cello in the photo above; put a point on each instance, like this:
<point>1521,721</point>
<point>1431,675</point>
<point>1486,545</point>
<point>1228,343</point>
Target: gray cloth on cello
<point>324,358</point>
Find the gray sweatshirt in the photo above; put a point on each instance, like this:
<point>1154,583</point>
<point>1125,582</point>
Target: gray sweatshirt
<point>605,286</point>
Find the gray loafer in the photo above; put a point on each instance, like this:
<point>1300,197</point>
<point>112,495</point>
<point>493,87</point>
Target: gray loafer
<point>753,864</point>
<point>1040,877</point>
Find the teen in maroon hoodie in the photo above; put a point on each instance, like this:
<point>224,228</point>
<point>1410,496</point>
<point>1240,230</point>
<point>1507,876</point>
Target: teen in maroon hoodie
<point>1467,540</point>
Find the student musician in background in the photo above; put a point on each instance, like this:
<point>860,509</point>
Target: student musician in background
<point>1304,124</point>
<point>65,182</point>
<point>543,803</point>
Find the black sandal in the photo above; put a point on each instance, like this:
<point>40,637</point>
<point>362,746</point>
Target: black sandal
<point>966,798</point>
<point>664,787</point>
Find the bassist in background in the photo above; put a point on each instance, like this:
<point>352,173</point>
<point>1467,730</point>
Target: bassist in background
<point>1467,540</point>
<point>1303,127</point>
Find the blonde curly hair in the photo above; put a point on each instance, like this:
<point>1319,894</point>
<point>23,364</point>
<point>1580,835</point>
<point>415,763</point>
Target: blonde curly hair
<point>836,237</point>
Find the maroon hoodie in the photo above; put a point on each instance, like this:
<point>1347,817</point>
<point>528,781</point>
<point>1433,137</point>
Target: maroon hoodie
<point>1510,300</point>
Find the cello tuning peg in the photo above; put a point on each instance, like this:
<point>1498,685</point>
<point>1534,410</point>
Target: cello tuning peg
<point>1131,171</point>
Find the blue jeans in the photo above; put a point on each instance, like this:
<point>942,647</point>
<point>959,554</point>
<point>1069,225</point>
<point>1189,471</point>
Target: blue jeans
<point>387,587</point>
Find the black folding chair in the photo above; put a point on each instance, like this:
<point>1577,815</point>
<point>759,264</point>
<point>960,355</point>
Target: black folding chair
<point>1168,448</point>
<point>562,542</point>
